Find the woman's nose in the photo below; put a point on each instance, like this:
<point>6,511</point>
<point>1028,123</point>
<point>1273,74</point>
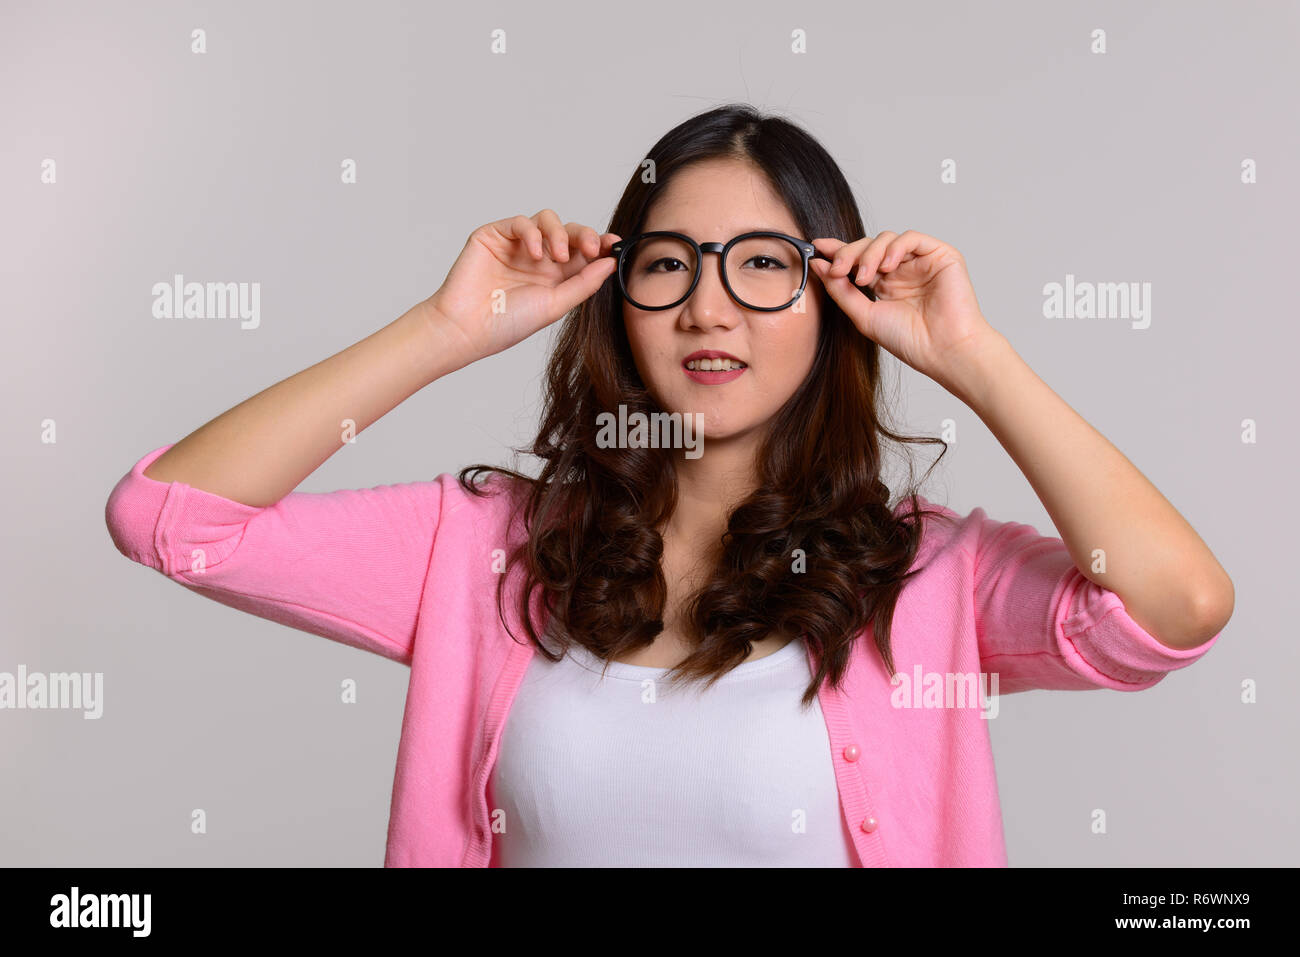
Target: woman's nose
<point>710,301</point>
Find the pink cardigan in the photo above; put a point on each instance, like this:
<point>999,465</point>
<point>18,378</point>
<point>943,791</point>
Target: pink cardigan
<point>408,571</point>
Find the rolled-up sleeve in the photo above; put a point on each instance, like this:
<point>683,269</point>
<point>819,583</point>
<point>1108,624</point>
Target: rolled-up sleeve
<point>348,565</point>
<point>1040,623</point>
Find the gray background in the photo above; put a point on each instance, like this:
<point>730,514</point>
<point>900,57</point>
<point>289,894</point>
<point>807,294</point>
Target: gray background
<point>1121,167</point>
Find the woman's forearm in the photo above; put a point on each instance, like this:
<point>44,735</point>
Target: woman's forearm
<point>263,448</point>
<point>1169,580</point>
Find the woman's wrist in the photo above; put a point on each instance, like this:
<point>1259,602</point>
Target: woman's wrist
<point>977,366</point>
<point>440,340</point>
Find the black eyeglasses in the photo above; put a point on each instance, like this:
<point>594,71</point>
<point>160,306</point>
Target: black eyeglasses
<point>764,270</point>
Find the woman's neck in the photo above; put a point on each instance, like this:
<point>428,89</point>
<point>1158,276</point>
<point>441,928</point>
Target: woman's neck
<point>708,488</point>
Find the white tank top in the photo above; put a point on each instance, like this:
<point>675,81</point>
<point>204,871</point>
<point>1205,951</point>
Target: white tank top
<point>632,772</point>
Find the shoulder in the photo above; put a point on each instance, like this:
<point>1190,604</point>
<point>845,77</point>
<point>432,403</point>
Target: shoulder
<point>945,532</point>
<point>488,507</point>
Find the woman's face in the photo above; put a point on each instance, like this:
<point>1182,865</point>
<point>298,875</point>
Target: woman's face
<point>714,201</point>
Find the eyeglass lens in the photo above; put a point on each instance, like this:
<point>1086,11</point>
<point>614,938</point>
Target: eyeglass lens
<point>764,272</point>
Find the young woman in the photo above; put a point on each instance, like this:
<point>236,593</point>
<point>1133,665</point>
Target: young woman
<point>732,653</point>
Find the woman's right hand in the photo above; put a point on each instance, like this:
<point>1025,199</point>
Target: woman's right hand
<point>517,275</point>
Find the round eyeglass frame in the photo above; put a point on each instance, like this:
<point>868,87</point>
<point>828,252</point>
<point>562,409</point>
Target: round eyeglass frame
<point>806,251</point>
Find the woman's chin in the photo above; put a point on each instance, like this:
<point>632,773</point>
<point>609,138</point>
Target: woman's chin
<point>718,430</point>
<point>714,425</point>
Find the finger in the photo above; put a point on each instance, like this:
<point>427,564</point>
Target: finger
<point>827,246</point>
<point>909,245</point>
<point>868,271</point>
<point>846,255</point>
<point>857,253</point>
<point>857,306</point>
<point>523,230</point>
<point>893,253</point>
<point>822,270</point>
<point>581,285</point>
<point>557,240</point>
<point>584,239</point>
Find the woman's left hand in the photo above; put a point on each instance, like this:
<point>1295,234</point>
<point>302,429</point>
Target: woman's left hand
<point>925,311</point>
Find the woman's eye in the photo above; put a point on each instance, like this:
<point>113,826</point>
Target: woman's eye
<point>776,263</point>
<point>651,267</point>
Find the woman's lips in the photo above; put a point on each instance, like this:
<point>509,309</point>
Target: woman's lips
<point>714,378</point>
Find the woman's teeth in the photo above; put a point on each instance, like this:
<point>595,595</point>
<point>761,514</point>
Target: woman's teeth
<point>714,365</point>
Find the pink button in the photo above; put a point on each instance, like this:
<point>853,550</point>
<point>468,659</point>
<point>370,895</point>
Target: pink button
<point>869,824</point>
<point>851,753</point>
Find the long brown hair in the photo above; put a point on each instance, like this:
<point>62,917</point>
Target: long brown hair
<point>592,514</point>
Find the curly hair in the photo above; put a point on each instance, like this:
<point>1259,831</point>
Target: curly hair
<point>592,515</point>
